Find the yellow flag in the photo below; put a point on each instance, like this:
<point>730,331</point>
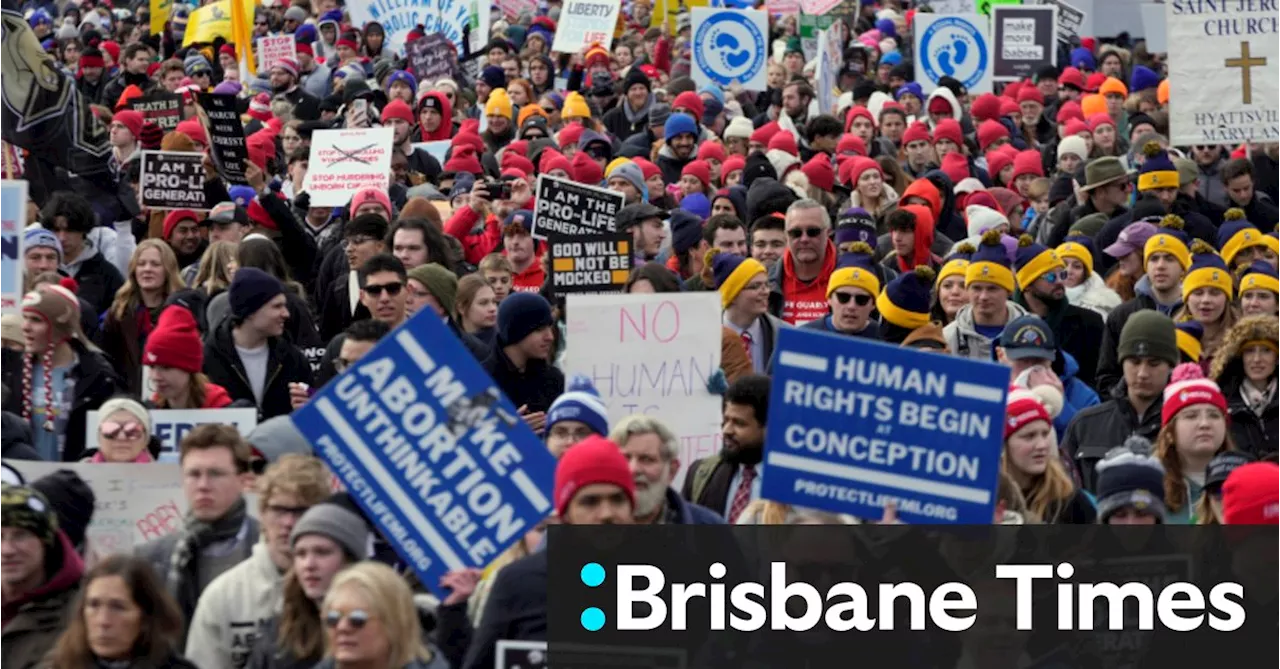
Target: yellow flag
<point>242,35</point>
<point>160,10</point>
<point>212,21</point>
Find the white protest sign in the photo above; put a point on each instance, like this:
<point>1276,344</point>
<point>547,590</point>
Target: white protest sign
<point>398,17</point>
<point>652,354</point>
<point>730,46</point>
<point>1154,29</point>
<point>171,425</point>
<point>954,46</point>
<point>586,22</point>
<point>344,161</point>
<point>273,49</point>
<point>13,217</point>
<point>1224,77</point>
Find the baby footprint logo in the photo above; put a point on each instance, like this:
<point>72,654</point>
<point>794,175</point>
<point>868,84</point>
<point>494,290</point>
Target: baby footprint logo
<point>952,55</point>
<point>730,51</point>
<point>955,48</point>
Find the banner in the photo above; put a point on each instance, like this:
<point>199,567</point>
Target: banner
<point>590,263</point>
<point>398,18</point>
<point>433,57</point>
<point>585,22</point>
<point>953,46</point>
<point>652,354</point>
<point>855,424</point>
<point>782,7</point>
<point>827,74</point>
<point>730,46</point>
<point>221,120</point>
<point>436,456</point>
<point>171,425</point>
<point>172,180</point>
<point>1224,77</point>
<point>1071,22</point>
<point>160,10</point>
<point>13,218</point>
<point>1154,28</point>
<point>213,21</point>
<point>274,48</point>
<point>1025,40</point>
<point>344,161</point>
<point>165,109</point>
<point>818,7</point>
<point>512,9</point>
<point>44,113</point>
<point>570,208</point>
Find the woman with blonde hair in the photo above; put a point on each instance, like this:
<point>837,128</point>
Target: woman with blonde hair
<point>765,512</point>
<point>216,269</point>
<point>153,276</point>
<point>371,622</point>
<point>1193,431</point>
<point>1030,458</point>
<point>1207,290</point>
<point>476,308</point>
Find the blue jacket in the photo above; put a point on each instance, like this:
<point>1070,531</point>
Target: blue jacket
<point>825,324</point>
<point>1077,394</point>
<point>690,513</point>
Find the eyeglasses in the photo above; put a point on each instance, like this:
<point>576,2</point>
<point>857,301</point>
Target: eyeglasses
<point>796,233</point>
<point>129,430</point>
<point>281,510</point>
<point>860,299</point>
<point>392,289</point>
<point>598,152</point>
<point>1054,276</point>
<point>357,618</point>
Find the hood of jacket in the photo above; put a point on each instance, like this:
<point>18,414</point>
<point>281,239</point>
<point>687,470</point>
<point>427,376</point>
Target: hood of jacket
<point>445,131</point>
<point>67,576</point>
<point>1228,364</point>
<point>89,251</point>
<point>1094,294</point>
<point>964,318</point>
<point>946,94</point>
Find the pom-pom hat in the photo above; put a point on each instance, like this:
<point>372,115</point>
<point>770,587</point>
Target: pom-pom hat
<point>905,301</point>
<point>1077,249</point>
<point>1170,239</point>
<point>1237,234</point>
<point>1022,408</point>
<point>1259,275</point>
<point>990,263</point>
<point>855,270</point>
<point>1130,476</point>
<point>731,273</point>
<point>1157,171</point>
<point>1033,260</point>
<point>1208,270</point>
<point>957,263</point>
<point>1188,387</point>
<point>1188,335</point>
<point>581,402</point>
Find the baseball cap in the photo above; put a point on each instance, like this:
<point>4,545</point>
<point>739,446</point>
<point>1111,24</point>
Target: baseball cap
<point>1132,238</point>
<point>225,213</point>
<point>1028,337</point>
<point>633,214</point>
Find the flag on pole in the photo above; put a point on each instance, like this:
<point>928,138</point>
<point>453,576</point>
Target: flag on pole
<point>160,10</point>
<point>242,37</point>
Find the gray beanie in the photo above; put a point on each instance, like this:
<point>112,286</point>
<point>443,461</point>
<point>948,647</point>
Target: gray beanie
<point>277,436</point>
<point>332,521</point>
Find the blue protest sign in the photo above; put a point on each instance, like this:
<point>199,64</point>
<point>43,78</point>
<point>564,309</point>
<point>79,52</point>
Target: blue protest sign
<point>398,17</point>
<point>13,217</point>
<point>436,456</point>
<point>953,45</point>
<point>855,424</point>
<point>730,46</point>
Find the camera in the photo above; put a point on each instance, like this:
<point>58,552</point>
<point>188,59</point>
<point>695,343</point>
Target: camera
<point>497,189</point>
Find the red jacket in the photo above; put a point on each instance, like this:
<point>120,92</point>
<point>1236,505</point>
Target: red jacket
<point>474,246</point>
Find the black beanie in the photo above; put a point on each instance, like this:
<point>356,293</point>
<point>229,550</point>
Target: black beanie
<point>72,500</point>
<point>520,315</point>
<point>250,290</point>
<point>635,76</point>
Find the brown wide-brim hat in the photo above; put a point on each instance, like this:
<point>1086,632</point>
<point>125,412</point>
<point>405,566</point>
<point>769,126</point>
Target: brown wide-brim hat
<point>1102,171</point>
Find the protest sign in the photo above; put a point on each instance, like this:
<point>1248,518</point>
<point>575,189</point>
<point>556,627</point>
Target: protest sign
<point>652,354</point>
<point>985,6</point>
<point>164,109</point>
<point>585,22</point>
<point>590,263</point>
<point>171,425</point>
<point>818,7</point>
<point>830,62</point>
<point>1071,21</point>
<point>512,9</point>
<point>438,150</point>
<point>172,180</point>
<point>510,654</point>
<point>274,48</point>
<point>433,57</point>
<point>954,6</point>
<point>221,120</point>
<point>1024,40</point>
<point>436,456</point>
<point>213,20</point>
<point>953,46</point>
<point>855,424</point>
<point>344,161</point>
<point>1154,29</point>
<point>730,46</point>
<point>13,218</point>
<point>782,7</point>
<point>1224,77</point>
<point>570,208</point>
<point>398,18</point>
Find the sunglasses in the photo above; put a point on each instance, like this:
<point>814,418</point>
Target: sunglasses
<point>392,289</point>
<point>357,618</point>
<point>549,110</point>
<point>861,299</point>
<point>1054,277</point>
<point>796,233</point>
<point>113,430</point>
<point>598,152</point>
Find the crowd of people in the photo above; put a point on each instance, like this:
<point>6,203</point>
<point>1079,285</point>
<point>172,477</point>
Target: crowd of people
<point>1128,286</point>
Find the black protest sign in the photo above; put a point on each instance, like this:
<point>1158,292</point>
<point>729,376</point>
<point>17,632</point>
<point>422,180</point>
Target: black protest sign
<point>590,263</point>
<point>172,180</point>
<point>221,120</point>
<point>433,57</point>
<point>570,208</point>
<point>1070,19</point>
<point>164,109</point>
<point>1023,40</point>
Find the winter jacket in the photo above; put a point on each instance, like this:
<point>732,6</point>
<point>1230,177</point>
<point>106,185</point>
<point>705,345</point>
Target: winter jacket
<point>516,610</point>
<point>233,611</point>
<point>98,278</point>
<point>670,165</point>
<point>1076,394</point>
<point>1054,230</point>
<point>115,88</point>
<point>796,301</point>
<point>95,383</point>
<point>123,341</point>
<point>1077,331</point>
<point>15,438</point>
<point>962,336</point>
<point>1098,429</point>
<point>827,324</point>
<point>476,244</point>
<point>34,622</point>
<point>1094,295</point>
<point>300,329</point>
<point>336,312</point>
<point>536,387</point>
<point>1109,369</point>
<point>616,122</point>
<point>285,365</point>
<point>1209,182</point>
<point>159,553</point>
<point>1260,211</point>
<point>1254,433</point>
<point>317,82</point>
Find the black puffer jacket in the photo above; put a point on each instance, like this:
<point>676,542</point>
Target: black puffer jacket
<point>1098,429</point>
<point>285,364</point>
<point>1257,433</point>
<point>95,383</point>
<point>536,387</point>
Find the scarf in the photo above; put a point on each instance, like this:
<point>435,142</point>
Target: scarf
<point>194,536</point>
<point>1257,399</point>
<point>641,114</point>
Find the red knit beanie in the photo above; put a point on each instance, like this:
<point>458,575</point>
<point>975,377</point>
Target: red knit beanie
<point>948,128</point>
<point>955,166</point>
<point>173,218</point>
<point>996,161</point>
<point>986,107</point>
<point>854,143</point>
<point>1250,496</point>
<point>1027,162</point>
<point>1030,94</point>
<point>918,131</point>
<point>1188,386</point>
<point>1021,409</point>
<point>784,141</point>
<point>699,169</point>
<point>711,151</point>
<point>820,172</point>
<point>991,131</point>
<point>175,342</point>
<point>586,170</point>
<point>764,133</point>
<point>592,460</point>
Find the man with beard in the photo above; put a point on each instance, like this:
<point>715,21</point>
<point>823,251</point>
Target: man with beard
<point>422,166</point>
<point>314,77</point>
<point>727,482</point>
<point>593,487</point>
<point>632,116</point>
<point>1041,275</point>
<point>653,451</point>
<point>796,96</point>
<point>681,135</point>
<point>133,72</point>
<point>182,232</point>
<point>499,112</point>
<point>648,231</point>
<point>284,84</point>
<point>89,79</point>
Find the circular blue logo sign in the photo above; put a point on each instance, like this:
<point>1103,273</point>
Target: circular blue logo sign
<point>729,48</point>
<point>953,47</point>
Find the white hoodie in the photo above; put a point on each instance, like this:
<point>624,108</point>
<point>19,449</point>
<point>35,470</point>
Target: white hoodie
<point>233,610</point>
